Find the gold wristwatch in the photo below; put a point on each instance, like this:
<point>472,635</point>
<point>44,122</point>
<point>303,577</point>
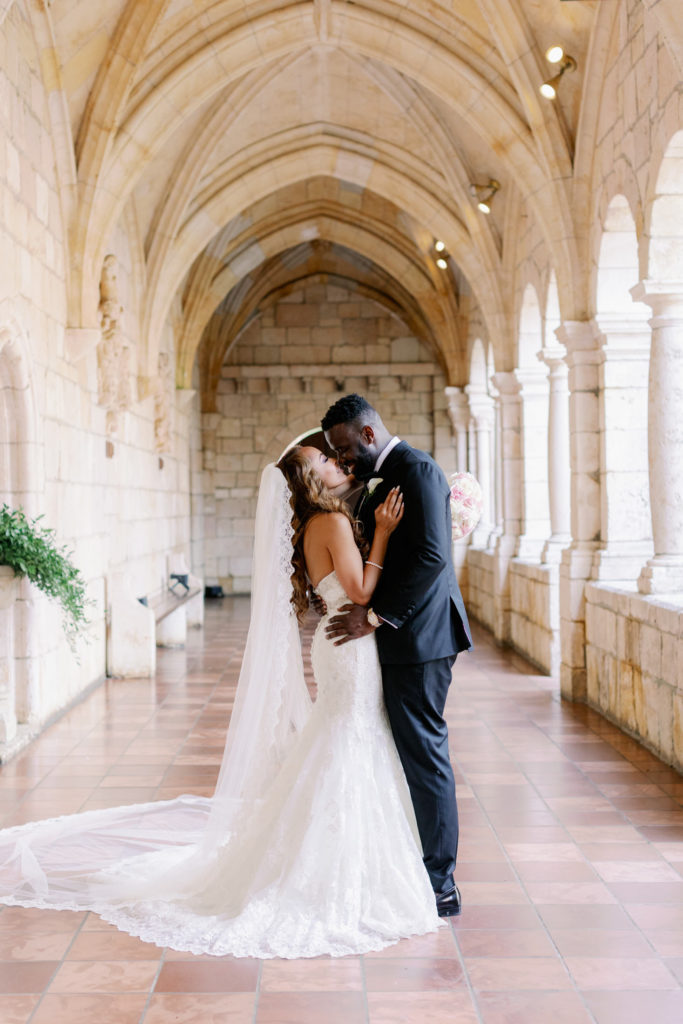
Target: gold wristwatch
<point>374,619</point>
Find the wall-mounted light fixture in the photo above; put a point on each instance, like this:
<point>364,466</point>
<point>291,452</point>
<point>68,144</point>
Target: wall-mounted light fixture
<point>442,256</point>
<point>484,194</point>
<point>556,55</point>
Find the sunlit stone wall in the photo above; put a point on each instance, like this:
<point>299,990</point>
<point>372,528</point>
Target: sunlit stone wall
<point>634,654</point>
<point>115,500</point>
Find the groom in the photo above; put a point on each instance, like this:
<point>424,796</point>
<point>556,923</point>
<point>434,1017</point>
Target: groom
<point>420,619</point>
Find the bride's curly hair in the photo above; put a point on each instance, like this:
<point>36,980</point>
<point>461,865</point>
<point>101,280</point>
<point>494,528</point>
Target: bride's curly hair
<point>308,498</point>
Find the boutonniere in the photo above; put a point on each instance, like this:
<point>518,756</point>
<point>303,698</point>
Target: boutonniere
<point>373,484</point>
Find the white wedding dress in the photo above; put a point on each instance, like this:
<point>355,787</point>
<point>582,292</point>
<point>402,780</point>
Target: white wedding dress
<point>322,858</point>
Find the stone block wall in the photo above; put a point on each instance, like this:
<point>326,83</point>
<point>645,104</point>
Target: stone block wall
<point>289,366</point>
<point>535,613</point>
<point>634,662</point>
<point>479,592</point>
<point>115,500</point>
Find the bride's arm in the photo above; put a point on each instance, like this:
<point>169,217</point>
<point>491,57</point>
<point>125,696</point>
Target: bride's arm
<point>358,580</point>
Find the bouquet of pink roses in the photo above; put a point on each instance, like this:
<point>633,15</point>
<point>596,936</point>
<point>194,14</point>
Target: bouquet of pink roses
<point>466,504</point>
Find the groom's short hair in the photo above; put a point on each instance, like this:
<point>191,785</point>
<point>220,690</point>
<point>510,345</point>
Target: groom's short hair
<point>349,409</point>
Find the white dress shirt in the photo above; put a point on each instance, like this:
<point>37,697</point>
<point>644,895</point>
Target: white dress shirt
<point>380,459</point>
<point>385,451</point>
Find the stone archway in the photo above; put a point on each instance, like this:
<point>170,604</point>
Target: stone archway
<point>663,291</point>
<point>20,470</point>
<point>624,356</point>
<point>533,380</point>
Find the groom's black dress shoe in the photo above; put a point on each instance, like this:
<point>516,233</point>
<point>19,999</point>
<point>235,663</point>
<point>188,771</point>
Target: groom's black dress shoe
<point>448,904</point>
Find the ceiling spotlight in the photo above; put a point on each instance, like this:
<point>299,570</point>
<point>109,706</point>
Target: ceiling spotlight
<point>484,194</point>
<point>441,260</point>
<point>554,54</point>
<point>549,88</point>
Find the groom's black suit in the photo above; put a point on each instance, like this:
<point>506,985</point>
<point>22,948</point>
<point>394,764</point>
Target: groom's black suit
<point>425,628</point>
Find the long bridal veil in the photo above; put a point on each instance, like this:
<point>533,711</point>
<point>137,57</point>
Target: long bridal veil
<point>101,859</point>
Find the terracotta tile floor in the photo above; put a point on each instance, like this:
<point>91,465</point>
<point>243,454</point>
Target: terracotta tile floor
<point>571,866</point>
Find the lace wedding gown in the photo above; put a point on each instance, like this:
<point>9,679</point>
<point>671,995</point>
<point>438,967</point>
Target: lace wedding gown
<point>328,862</point>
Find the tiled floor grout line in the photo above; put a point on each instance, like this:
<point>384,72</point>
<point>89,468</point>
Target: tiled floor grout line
<point>617,810</point>
<point>465,972</point>
<point>518,878</point>
<point>626,820</point>
<point>150,995</point>
<point>257,991</point>
<point>57,969</point>
<point>364,989</point>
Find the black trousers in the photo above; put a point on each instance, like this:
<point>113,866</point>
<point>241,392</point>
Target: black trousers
<point>415,696</point>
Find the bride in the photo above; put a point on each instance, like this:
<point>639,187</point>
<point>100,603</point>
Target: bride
<point>309,844</point>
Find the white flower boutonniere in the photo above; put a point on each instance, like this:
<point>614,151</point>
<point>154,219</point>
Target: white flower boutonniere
<point>374,484</point>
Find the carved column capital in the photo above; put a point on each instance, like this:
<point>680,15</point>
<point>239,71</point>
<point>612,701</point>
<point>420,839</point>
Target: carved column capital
<point>458,407</point>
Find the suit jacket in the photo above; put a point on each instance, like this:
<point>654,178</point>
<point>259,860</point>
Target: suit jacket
<point>417,595</point>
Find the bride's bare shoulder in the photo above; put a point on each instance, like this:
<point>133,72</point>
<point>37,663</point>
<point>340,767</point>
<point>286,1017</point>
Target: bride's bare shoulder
<point>328,524</point>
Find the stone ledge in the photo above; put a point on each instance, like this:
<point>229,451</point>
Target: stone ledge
<point>663,613</point>
<point>547,574</point>
<point>21,739</point>
<point>27,732</point>
<point>331,370</point>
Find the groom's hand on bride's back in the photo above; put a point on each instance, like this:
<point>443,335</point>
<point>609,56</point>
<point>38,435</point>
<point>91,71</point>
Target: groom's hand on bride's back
<point>316,602</point>
<point>350,625</point>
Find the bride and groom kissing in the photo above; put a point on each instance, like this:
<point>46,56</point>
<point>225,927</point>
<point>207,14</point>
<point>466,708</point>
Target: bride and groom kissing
<point>334,826</point>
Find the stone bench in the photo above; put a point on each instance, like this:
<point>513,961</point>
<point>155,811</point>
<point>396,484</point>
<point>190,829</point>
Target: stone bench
<point>137,626</point>
<point>176,608</point>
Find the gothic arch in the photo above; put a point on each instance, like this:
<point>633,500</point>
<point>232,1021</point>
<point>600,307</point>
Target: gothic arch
<point>20,454</point>
<point>664,216</point>
<point>530,336</point>
<point>20,482</point>
<point>617,269</point>
<point>478,366</point>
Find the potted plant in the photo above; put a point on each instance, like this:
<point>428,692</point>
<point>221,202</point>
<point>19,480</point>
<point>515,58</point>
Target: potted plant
<point>30,550</point>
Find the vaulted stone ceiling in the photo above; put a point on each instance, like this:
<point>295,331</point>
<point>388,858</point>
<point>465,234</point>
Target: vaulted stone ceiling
<point>227,134</point>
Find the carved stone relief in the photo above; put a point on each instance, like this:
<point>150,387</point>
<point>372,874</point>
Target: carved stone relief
<point>113,357</point>
<point>162,404</point>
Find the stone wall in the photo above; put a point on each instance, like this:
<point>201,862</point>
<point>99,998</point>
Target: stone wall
<point>634,661</point>
<point>288,367</point>
<point>114,498</point>
<point>479,592</point>
<point>535,613</point>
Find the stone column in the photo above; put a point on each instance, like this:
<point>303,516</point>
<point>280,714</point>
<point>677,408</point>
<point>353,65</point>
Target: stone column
<point>511,492</point>
<point>625,542</point>
<point>559,494</point>
<point>472,464</point>
<point>481,411</point>
<point>663,573</point>
<point>497,514</point>
<point>459,412</point>
<point>535,510</point>
<point>443,448</point>
<point>578,338</point>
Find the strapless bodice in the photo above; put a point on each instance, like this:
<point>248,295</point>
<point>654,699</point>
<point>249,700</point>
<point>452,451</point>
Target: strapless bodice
<point>332,592</point>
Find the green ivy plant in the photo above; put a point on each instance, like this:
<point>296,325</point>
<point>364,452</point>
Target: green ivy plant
<point>31,550</point>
